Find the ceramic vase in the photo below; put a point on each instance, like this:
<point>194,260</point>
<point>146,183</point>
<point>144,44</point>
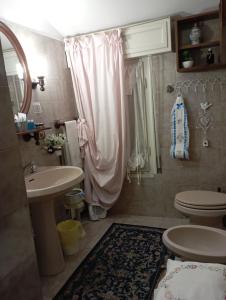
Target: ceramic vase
<point>195,35</point>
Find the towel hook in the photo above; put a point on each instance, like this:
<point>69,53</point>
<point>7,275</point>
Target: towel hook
<point>179,91</point>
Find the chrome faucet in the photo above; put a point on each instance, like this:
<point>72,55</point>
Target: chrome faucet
<point>32,165</point>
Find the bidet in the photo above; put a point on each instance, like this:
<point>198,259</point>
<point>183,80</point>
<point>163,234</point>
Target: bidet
<point>197,243</point>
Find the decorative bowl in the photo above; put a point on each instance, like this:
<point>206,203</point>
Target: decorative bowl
<point>188,63</point>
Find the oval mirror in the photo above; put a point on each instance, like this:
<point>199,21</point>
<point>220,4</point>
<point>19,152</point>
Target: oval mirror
<point>18,76</point>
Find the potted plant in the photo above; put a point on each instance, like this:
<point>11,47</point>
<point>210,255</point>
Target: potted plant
<point>187,60</point>
<point>54,142</point>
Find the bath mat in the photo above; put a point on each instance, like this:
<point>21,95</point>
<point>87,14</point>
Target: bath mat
<point>124,264</point>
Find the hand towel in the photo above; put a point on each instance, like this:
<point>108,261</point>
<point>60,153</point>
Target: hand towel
<point>72,150</point>
<point>179,130</point>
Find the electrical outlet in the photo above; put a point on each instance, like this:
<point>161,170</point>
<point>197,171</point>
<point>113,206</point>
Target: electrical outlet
<point>205,143</point>
<point>36,108</point>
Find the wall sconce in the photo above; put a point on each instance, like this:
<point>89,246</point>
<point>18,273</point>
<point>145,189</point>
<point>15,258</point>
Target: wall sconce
<point>40,81</point>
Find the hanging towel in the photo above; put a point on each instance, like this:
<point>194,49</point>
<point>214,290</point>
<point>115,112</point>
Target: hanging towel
<point>179,130</point>
<point>72,150</point>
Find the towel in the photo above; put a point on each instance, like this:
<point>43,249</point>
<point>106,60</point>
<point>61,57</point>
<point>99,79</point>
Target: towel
<point>72,150</point>
<point>179,130</point>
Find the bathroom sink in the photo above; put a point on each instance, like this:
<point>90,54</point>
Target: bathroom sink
<point>52,181</point>
<point>42,189</point>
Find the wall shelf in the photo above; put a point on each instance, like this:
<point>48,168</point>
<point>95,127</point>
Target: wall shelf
<point>204,67</point>
<point>33,133</point>
<point>213,30</point>
<point>199,17</point>
<point>201,45</point>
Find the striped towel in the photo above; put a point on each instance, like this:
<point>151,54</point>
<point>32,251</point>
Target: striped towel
<point>179,130</point>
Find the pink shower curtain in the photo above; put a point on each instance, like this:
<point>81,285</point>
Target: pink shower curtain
<point>96,63</point>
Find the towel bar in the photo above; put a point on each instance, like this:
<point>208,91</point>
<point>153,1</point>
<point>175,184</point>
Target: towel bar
<point>59,123</point>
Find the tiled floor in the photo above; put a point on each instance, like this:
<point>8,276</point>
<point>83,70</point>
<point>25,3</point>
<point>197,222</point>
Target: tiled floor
<point>94,231</point>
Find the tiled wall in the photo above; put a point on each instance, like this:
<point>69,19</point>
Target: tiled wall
<point>206,168</point>
<point>18,269</point>
<point>155,196</point>
<point>57,101</point>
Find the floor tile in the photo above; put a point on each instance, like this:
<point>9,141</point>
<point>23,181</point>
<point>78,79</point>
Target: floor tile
<point>94,231</point>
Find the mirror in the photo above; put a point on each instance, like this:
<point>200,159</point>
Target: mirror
<point>17,72</point>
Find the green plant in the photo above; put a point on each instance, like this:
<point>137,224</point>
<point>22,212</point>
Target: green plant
<point>55,140</point>
<point>186,56</point>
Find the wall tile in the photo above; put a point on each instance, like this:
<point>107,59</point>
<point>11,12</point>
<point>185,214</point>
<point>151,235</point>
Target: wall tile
<point>12,186</point>
<point>16,240</point>
<point>18,272</point>
<point>57,101</point>
<point>7,127</point>
<point>206,168</point>
<point>23,283</point>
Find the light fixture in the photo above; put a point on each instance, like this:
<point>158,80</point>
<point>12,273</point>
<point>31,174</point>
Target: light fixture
<point>40,81</point>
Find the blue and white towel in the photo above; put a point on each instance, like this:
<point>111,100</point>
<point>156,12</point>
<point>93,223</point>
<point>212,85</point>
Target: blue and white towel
<point>179,130</point>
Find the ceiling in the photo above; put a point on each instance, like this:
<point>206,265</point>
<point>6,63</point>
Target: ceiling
<point>57,18</point>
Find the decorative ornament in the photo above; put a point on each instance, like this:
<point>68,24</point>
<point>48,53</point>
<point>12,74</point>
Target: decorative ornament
<point>205,121</point>
<point>195,34</point>
<point>210,57</point>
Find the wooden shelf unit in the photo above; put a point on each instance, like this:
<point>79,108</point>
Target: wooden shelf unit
<point>32,133</point>
<point>213,30</point>
<point>35,130</point>
<point>202,68</point>
<point>201,45</point>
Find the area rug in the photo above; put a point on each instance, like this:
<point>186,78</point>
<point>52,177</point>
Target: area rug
<point>124,264</point>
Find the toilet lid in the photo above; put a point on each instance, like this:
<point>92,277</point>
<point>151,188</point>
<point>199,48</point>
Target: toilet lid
<point>203,207</point>
<point>202,199</point>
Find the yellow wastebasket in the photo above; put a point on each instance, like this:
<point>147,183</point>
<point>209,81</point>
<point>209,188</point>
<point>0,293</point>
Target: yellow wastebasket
<point>70,232</point>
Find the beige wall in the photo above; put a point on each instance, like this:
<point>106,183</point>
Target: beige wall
<point>206,168</point>
<point>18,269</point>
<point>57,101</point>
<point>154,197</point>
<point>18,272</point>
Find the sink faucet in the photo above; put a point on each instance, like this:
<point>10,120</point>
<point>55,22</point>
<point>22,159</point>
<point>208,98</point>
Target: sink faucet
<point>32,166</point>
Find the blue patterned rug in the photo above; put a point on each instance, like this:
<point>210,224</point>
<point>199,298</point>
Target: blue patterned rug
<point>125,264</point>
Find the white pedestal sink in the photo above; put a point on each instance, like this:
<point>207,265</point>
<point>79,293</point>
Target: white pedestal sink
<point>42,188</point>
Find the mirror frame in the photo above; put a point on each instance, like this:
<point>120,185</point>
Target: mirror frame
<point>23,61</point>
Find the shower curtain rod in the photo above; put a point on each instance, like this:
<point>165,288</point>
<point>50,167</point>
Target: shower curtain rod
<point>112,28</point>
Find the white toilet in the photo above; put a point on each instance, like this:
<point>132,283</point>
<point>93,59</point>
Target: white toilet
<point>202,207</point>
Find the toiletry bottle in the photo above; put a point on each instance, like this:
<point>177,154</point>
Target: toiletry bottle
<point>210,57</point>
<point>30,124</point>
<point>16,122</point>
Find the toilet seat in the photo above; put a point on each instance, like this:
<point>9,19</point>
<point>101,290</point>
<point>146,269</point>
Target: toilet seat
<point>202,212</point>
<point>202,199</point>
<point>202,207</point>
<point>208,207</point>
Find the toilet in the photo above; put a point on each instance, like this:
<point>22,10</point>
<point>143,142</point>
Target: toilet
<point>196,243</point>
<point>202,207</point>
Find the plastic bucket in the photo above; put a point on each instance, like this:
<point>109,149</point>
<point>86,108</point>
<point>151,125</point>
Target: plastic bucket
<point>70,232</point>
<point>75,197</point>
